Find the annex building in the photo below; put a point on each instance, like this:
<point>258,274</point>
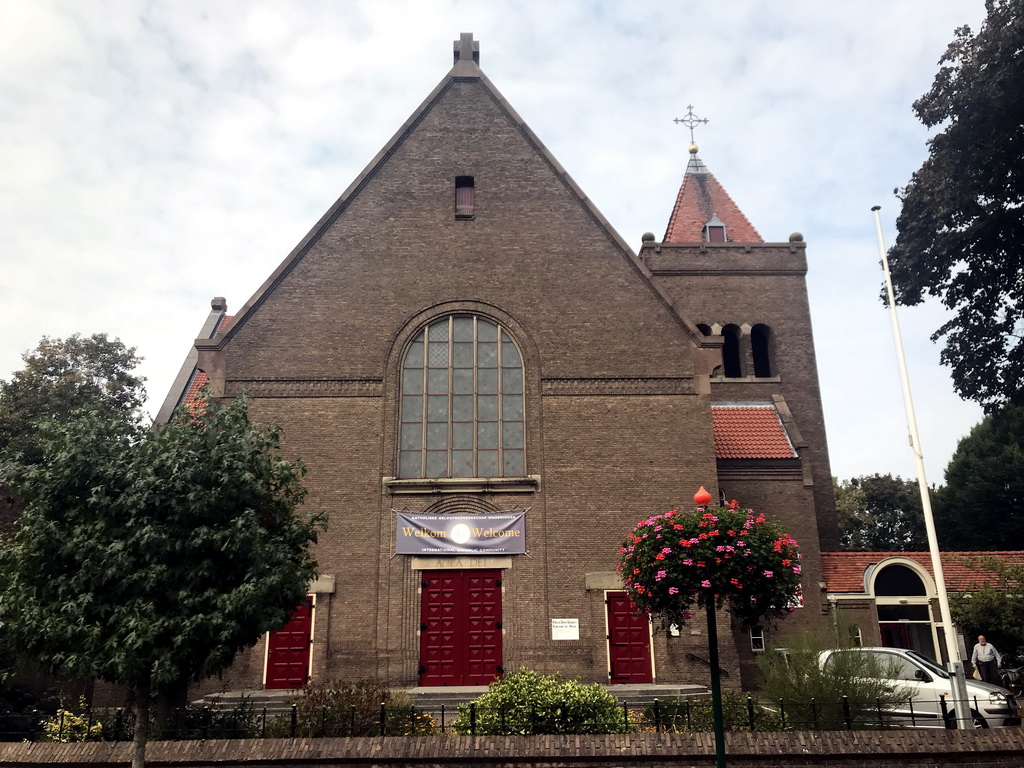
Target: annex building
<point>490,388</point>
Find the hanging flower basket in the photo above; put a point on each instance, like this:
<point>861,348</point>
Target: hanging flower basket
<point>678,561</point>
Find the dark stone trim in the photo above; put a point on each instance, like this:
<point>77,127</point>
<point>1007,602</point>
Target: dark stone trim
<point>306,387</point>
<point>659,386</point>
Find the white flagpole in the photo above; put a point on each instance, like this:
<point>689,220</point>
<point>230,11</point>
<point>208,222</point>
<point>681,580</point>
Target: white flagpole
<point>956,665</point>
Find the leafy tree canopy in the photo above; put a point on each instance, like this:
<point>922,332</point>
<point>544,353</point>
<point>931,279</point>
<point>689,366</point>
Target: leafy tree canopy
<point>147,557</point>
<point>880,513</point>
<point>979,506</point>
<point>62,376</point>
<point>994,610</point>
<point>962,220</point>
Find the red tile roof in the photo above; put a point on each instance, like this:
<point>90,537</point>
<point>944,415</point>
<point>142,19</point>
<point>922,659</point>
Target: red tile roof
<point>700,198</point>
<point>224,323</point>
<point>749,431</point>
<point>199,380</point>
<point>844,571</point>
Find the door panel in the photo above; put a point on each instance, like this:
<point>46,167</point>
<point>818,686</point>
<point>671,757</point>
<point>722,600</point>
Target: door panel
<point>288,649</point>
<point>629,641</point>
<point>460,631</point>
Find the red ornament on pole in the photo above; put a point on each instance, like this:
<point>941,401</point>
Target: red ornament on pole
<point>702,497</point>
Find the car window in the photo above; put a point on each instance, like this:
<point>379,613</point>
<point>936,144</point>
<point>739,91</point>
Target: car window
<point>901,668</point>
<point>928,664</point>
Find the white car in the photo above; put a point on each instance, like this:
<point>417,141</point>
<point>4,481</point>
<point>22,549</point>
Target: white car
<point>991,706</point>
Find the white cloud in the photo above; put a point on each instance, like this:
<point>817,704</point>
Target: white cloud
<point>160,153</point>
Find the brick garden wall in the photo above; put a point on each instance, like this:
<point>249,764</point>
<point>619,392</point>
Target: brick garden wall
<point>867,749</point>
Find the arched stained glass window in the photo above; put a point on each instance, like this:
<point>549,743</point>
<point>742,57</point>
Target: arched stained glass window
<point>462,402</point>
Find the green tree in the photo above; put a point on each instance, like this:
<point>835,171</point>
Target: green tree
<point>147,557</point>
<point>880,513</point>
<point>995,609</point>
<point>978,507</point>
<point>62,376</point>
<point>962,222</point>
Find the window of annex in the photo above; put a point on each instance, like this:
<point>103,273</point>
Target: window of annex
<point>462,405</point>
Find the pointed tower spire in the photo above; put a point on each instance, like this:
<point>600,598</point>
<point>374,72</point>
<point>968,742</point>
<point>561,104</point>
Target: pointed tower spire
<point>704,212</point>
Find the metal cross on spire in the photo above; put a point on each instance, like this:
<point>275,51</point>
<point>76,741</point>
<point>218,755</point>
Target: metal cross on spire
<point>691,121</point>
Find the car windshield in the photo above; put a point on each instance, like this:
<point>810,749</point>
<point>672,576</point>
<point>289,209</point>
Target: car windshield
<point>928,664</point>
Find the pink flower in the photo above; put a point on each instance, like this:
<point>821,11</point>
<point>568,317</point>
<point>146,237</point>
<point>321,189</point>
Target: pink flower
<point>673,590</point>
<point>705,583</point>
<point>660,576</point>
<point>768,574</point>
<point>796,569</point>
<point>667,551</point>
<point>687,561</point>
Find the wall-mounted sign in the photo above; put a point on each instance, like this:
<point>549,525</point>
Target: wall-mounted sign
<point>565,629</point>
<point>460,534</point>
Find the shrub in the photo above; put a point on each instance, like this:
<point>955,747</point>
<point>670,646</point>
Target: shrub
<point>812,694</point>
<point>695,715</point>
<point>353,709</point>
<point>68,725</point>
<point>194,722</point>
<point>530,703</point>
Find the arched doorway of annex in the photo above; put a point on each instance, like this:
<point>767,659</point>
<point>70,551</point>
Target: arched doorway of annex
<point>902,590</point>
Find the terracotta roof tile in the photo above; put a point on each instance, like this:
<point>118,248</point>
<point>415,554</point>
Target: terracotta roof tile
<point>749,431</point>
<point>224,323</point>
<point>844,571</point>
<point>700,198</point>
<point>199,380</point>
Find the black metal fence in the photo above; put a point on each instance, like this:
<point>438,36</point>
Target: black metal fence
<point>677,715</point>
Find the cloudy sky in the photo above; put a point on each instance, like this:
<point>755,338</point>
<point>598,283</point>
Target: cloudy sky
<point>157,153</point>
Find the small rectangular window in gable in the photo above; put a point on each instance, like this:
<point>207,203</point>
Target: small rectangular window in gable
<point>464,197</point>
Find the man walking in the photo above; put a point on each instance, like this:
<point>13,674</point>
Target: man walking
<point>987,660</point>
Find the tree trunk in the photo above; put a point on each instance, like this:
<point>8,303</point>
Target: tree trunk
<point>142,696</point>
<point>167,701</point>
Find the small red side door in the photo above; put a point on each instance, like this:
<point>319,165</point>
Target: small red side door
<point>288,649</point>
<point>629,641</point>
<point>460,629</point>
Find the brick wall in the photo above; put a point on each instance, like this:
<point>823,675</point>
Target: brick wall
<point>858,749</point>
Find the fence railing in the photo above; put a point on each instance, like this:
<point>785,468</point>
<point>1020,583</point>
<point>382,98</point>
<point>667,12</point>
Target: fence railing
<point>675,715</point>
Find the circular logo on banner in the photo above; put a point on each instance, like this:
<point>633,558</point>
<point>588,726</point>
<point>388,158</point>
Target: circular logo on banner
<point>461,533</point>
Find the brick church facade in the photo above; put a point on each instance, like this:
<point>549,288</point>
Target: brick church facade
<point>464,340</point>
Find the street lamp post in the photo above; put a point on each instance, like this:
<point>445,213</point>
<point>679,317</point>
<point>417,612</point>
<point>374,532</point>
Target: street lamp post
<point>956,665</point>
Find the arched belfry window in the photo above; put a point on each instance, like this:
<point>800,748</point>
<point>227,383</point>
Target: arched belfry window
<point>462,402</point>
<point>731,359</point>
<point>760,347</point>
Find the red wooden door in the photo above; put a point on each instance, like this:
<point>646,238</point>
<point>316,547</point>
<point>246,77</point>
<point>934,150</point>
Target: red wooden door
<point>460,629</point>
<point>629,641</point>
<point>288,649</point>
